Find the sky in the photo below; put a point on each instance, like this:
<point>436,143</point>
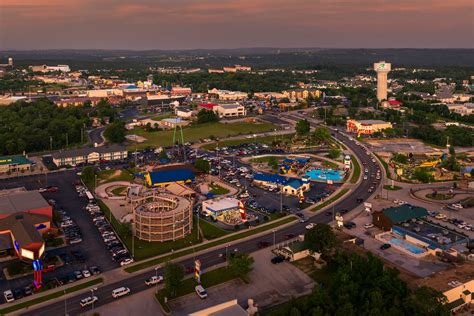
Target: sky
<point>211,24</point>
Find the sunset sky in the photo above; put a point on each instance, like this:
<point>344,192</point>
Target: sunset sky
<point>184,24</point>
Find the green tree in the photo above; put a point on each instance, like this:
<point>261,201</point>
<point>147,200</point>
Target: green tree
<point>320,239</point>
<point>422,175</point>
<point>241,264</point>
<point>334,153</point>
<point>401,158</point>
<point>302,127</point>
<point>202,165</point>
<point>205,116</point>
<point>273,163</point>
<point>88,174</point>
<point>427,302</point>
<point>173,275</point>
<point>321,135</point>
<point>115,132</point>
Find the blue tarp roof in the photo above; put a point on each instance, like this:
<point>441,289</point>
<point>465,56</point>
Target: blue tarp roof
<point>172,175</point>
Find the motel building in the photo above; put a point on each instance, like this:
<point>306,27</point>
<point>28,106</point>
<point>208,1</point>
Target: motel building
<point>90,155</point>
<point>366,127</point>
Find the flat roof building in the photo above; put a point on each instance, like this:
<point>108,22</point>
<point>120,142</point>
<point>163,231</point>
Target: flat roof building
<point>14,164</point>
<point>165,177</point>
<point>87,155</point>
<point>366,127</point>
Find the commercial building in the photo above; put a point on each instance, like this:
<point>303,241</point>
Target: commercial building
<point>226,95</point>
<point>89,155</point>
<point>184,112</point>
<point>45,68</point>
<point>387,218</point>
<point>215,207</point>
<point>10,164</point>
<point>462,109</point>
<point>162,178</point>
<point>230,110</point>
<point>104,93</point>
<point>229,308</point>
<point>78,101</point>
<point>382,68</point>
<point>162,217</point>
<point>366,127</point>
<point>290,186</point>
<point>460,296</point>
<point>24,217</point>
<point>297,94</point>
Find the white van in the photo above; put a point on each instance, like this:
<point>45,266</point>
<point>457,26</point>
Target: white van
<point>121,291</point>
<point>201,291</point>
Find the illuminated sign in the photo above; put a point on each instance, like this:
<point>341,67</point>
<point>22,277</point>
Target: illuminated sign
<point>41,251</point>
<point>5,160</point>
<point>27,254</point>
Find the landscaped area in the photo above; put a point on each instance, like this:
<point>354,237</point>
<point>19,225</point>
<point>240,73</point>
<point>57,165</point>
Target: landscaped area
<point>210,231</point>
<point>196,132</point>
<point>261,140</point>
<point>356,173</point>
<point>331,200</point>
<point>217,189</point>
<point>222,241</point>
<point>208,279</point>
<point>392,187</point>
<point>439,196</point>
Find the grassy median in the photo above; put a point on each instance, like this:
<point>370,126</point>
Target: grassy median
<point>356,174</point>
<point>329,201</point>
<point>250,232</point>
<point>51,296</point>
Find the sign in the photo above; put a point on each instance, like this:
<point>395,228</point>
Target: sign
<point>243,215</point>
<point>197,270</point>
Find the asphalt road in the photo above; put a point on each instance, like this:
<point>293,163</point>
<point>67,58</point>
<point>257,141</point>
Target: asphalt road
<point>136,282</point>
<point>95,136</point>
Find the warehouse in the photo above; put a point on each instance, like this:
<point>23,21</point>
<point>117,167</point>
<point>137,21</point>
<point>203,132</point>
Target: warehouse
<point>24,217</point>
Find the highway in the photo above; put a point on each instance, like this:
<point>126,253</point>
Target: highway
<point>136,282</point>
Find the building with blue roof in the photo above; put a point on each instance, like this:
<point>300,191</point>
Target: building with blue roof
<point>165,177</point>
<point>291,186</point>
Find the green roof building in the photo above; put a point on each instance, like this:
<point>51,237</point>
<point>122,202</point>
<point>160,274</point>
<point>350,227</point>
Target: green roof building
<point>388,217</point>
<point>14,164</point>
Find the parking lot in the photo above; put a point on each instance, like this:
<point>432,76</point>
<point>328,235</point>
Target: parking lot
<point>88,253</point>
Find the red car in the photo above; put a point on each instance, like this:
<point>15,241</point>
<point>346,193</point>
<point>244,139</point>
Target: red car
<point>52,189</point>
<point>49,268</point>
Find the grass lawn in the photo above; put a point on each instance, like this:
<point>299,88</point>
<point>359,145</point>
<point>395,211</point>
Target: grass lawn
<point>208,279</point>
<point>48,297</point>
<point>210,231</point>
<point>225,240</point>
<point>217,189</point>
<point>329,201</point>
<point>262,140</point>
<point>118,190</point>
<point>162,116</point>
<point>145,249</point>
<point>109,176</point>
<point>385,165</point>
<point>266,159</point>
<point>329,164</point>
<point>356,174</point>
<point>391,188</point>
<point>197,132</point>
<point>439,196</point>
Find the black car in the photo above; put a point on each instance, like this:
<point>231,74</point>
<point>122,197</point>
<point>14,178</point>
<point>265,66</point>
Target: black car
<point>385,246</point>
<point>300,215</point>
<point>18,294</point>
<point>359,200</point>
<point>27,291</point>
<point>277,259</point>
<point>349,225</point>
<point>95,270</point>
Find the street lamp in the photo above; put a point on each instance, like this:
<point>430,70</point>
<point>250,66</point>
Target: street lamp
<point>92,292</point>
<point>156,275</point>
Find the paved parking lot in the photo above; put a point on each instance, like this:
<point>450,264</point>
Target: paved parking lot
<point>93,249</point>
<point>269,284</point>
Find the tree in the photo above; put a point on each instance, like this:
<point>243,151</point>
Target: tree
<point>426,301</point>
<point>334,153</point>
<point>88,174</point>
<point>321,135</point>
<point>422,175</point>
<point>302,127</point>
<point>205,116</point>
<point>320,239</point>
<point>241,264</point>
<point>115,132</point>
<point>273,163</point>
<point>173,275</point>
<point>202,165</point>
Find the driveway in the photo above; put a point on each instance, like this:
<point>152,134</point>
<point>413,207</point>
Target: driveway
<point>269,285</point>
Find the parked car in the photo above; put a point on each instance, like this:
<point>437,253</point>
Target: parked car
<point>385,246</point>
<point>310,226</point>
<point>8,295</point>
<point>277,259</point>
<point>368,225</point>
<point>201,291</point>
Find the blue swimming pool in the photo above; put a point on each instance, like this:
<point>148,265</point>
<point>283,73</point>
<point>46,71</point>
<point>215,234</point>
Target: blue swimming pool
<point>410,247</point>
<point>324,175</point>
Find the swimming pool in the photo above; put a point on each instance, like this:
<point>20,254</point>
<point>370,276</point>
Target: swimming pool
<point>410,247</point>
<point>324,175</point>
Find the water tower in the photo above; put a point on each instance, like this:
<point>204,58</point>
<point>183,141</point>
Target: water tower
<point>382,68</point>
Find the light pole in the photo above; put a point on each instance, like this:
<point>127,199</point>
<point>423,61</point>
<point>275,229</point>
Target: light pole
<point>92,292</point>
<point>156,275</point>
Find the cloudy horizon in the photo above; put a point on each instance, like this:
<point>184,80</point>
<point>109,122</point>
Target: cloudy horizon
<point>227,24</point>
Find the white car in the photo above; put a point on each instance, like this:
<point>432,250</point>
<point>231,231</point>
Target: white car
<point>86,273</point>
<point>368,225</point>
<point>153,280</point>
<point>8,294</point>
<point>126,262</point>
<point>121,291</point>
<point>88,301</point>
<point>365,177</point>
<point>201,291</point>
<point>310,226</point>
